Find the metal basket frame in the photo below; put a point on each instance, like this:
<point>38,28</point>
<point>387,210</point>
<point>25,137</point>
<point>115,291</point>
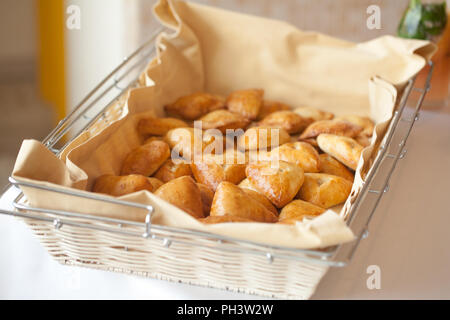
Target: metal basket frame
<point>107,95</point>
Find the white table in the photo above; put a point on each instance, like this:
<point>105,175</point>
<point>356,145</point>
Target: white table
<point>409,240</point>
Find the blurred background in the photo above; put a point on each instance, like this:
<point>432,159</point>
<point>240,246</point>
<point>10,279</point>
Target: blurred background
<point>48,66</point>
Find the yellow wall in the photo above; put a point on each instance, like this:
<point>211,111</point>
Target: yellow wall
<point>51,26</point>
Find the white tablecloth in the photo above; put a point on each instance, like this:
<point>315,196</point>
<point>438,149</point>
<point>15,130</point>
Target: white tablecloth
<point>408,240</point>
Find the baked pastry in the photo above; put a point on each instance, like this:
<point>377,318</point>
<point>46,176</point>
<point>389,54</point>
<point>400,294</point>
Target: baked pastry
<point>363,140</point>
<point>279,181</point>
<point>324,190</point>
<point>313,113</point>
<point>230,200</point>
<point>223,219</point>
<point>365,122</point>
<point>287,120</point>
<point>185,142</point>
<point>337,127</point>
<point>261,199</point>
<point>330,165</point>
<point>344,149</point>
<point>194,106</point>
<point>159,126</point>
<point>269,107</point>
<point>262,138</point>
<point>246,102</point>
<point>171,170</point>
<point>246,184</point>
<point>121,185</point>
<point>297,210</point>
<point>223,120</point>
<point>300,153</point>
<point>154,138</point>
<point>207,198</point>
<point>146,159</point>
<point>211,170</point>
<point>183,193</point>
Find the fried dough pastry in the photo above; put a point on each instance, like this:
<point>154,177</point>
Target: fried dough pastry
<point>182,141</point>
<point>246,184</point>
<point>324,190</point>
<point>344,149</point>
<point>363,140</point>
<point>246,102</point>
<point>337,127</point>
<point>230,200</point>
<point>297,210</point>
<point>223,120</point>
<point>262,138</point>
<point>300,153</point>
<point>269,107</point>
<point>287,120</point>
<point>261,199</point>
<point>213,169</point>
<point>330,165</point>
<point>279,184</point>
<point>207,198</point>
<point>146,159</point>
<point>121,185</point>
<point>183,193</point>
<point>194,106</point>
<point>171,170</point>
<point>313,113</point>
<point>150,139</point>
<point>365,122</point>
<point>223,219</point>
<point>159,126</point>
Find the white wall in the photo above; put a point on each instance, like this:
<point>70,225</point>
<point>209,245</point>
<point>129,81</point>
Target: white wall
<point>107,35</point>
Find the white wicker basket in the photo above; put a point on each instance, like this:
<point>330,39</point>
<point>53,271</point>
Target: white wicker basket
<point>182,255</point>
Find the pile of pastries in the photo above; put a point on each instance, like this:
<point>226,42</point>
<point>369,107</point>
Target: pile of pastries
<point>278,164</point>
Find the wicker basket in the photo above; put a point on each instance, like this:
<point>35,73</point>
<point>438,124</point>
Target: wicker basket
<point>180,255</point>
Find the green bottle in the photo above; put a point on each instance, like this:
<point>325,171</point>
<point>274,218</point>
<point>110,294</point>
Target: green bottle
<point>423,21</point>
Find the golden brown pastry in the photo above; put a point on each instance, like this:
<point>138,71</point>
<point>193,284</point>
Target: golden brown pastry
<point>262,138</point>
<point>330,165</point>
<point>207,198</point>
<point>297,210</point>
<point>365,122</point>
<point>269,107</point>
<point>170,170</point>
<point>287,120</point>
<point>121,185</point>
<point>223,120</point>
<point>194,106</point>
<point>344,149</point>
<point>230,200</point>
<point>363,140</point>
<point>261,199</point>
<point>151,139</point>
<point>246,102</point>
<point>324,190</point>
<point>312,142</point>
<point>183,193</point>
<point>313,113</point>
<point>279,184</point>
<point>146,159</point>
<point>337,127</point>
<point>183,142</point>
<point>246,184</point>
<point>223,219</point>
<point>155,182</point>
<point>300,153</point>
<point>159,126</point>
<point>213,169</point>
